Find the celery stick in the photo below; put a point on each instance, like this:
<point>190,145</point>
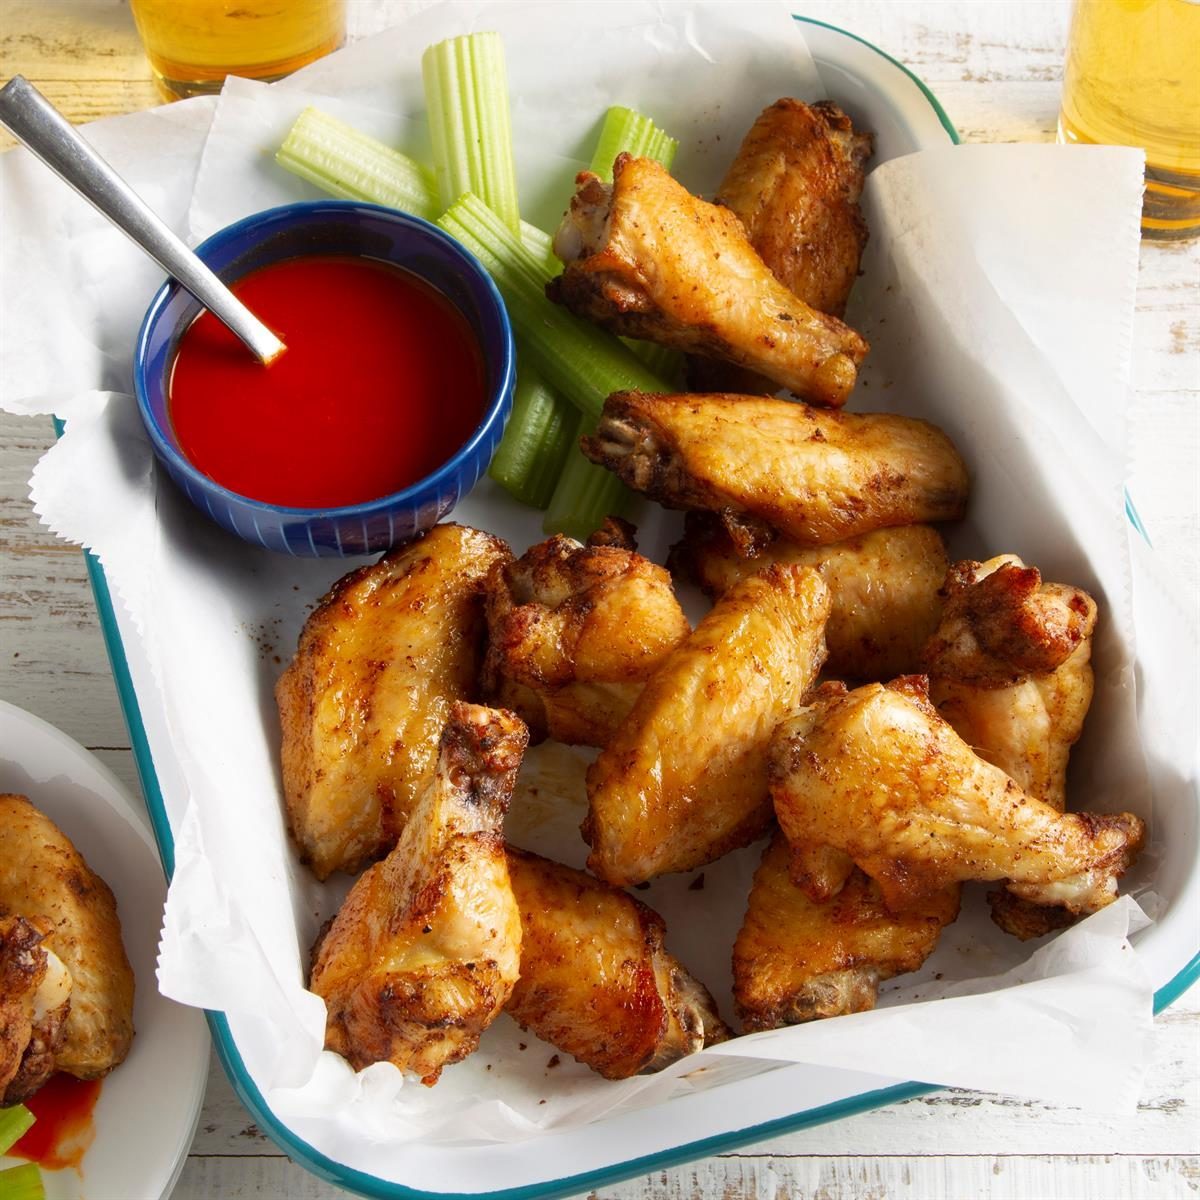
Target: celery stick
<point>628,132</point>
<point>466,95</point>
<point>22,1183</point>
<point>14,1122</point>
<point>585,495</point>
<point>535,443</point>
<point>583,362</point>
<point>665,361</point>
<point>349,164</point>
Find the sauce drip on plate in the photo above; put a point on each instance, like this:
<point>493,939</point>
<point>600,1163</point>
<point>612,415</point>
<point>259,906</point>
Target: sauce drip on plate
<point>63,1130</point>
<point>382,381</point>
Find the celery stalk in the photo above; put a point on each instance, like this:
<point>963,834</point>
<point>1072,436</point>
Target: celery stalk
<point>22,1183</point>
<point>583,362</point>
<point>466,95</point>
<point>14,1123</point>
<point>349,164</point>
<point>536,443</point>
<point>586,493</point>
<point>628,132</point>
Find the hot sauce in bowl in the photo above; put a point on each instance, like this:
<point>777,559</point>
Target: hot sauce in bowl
<point>382,381</point>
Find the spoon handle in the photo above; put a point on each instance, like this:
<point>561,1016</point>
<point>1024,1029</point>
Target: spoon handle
<point>39,125</point>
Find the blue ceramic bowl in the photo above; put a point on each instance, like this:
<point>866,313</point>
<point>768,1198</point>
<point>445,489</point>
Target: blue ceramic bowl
<point>332,227</point>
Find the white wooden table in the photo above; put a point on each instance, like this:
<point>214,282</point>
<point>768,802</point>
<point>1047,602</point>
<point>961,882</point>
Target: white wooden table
<point>996,68</point>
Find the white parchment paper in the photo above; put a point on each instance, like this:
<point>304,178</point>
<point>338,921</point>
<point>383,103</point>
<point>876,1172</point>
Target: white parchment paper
<point>997,297</point>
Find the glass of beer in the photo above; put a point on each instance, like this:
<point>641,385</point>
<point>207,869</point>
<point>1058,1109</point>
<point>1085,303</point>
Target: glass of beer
<point>193,44</point>
<point>1133,79</point>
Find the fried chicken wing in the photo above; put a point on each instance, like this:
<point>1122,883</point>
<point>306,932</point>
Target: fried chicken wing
<point>363,703</point>
<point>683,780</point>
<point>1027,722</point>
<point>884,587</point>
<point>817,477</point>
<point>646,258</point>
<point>795,960</point>
<point>878,774</point>
<point>35,999</point>
<point>425,950</point>
<point>573,633</point>
<point>596,980</point>
<point>45,880</point>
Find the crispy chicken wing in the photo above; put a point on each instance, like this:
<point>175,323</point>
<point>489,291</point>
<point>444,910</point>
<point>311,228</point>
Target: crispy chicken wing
<point>45,880</point>
<point>884,587</point>
<point>795,960</point>
<point>1027,723</point>
<point>596,980</point>
<point>363,703</point>
<point>817,477</point>
<point>683,780</point>
<point>425,950</point>
<point>573,633</point>
<point>35,999</point>
<point>878,774</point>
<point>646,258</point>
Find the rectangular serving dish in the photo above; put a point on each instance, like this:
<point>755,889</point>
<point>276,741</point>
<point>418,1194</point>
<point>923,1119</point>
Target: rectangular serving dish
<point>879,94</point>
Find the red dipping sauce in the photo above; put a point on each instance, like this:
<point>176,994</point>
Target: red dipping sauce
<point>382,381</point>
<point>63,1130</point>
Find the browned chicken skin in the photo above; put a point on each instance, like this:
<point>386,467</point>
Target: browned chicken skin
<point>1024,722</point>
<point>817,477</point>
<point>46,881</point>
<point>884,587</point>
<point>596,980</point>
<point>574,632</point>
<point>646,258</point>
<point>683,780</point>
<point>363,703</point>
<point>795,960</point>
<point>878,774</point>
<point>424,952</point>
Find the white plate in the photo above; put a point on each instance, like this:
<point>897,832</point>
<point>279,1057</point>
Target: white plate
<point>148,1107</point>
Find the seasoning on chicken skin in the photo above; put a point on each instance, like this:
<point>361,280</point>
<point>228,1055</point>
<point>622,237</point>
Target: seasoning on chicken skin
<point>816,477</point>
<point>646,258</point>
<point>425,950</point>
<point>683,780</point>
<point>363,703</point>
<point>877,773</point>
<point>596,980</point>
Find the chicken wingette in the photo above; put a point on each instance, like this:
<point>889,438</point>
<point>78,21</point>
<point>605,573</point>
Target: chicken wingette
<point>574,632</point>
<point>795,960</point>
<point>363,703</point>
<point>816,477</point>
<point>878,774</point>
<point>883,585</point>
<point>1000,617</point>
<point>646,258</point>
<point>596,980</point>
<point>683,780</point>
<point>425,950</point>
<point>46,881</point>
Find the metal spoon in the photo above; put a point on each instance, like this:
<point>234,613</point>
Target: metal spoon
<point>36,122</point>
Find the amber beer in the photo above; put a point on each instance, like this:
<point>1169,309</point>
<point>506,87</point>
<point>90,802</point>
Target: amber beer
<point>193,44</point>
<point>1133,79</point>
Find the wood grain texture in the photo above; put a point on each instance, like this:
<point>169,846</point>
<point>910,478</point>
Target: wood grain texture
<point>996,69</point>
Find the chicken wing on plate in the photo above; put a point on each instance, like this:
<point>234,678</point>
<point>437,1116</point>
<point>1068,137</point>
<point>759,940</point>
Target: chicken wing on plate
<point>816,477</point>
<point>878,774</point>
<point>683,780</point>
<point>425,950</point>
<point>884,587</point>
<point>46,881</point>
<point>364,701</point>
<point>573,633</point>
<point>795,960</point>
<point>999,617</point>
<point>646,258</point>
<point>596,980</point>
